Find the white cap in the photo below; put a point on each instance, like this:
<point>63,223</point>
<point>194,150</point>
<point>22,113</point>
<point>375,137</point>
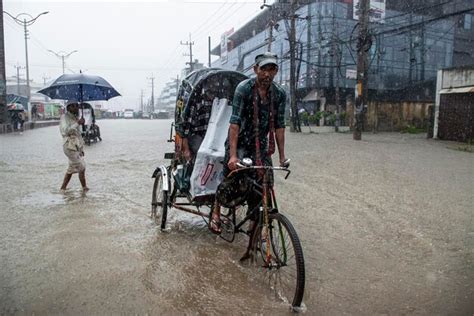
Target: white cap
<point>265,59</point>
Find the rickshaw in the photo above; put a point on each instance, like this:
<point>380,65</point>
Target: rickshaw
<point>90,130</point>
<point>191,187</point>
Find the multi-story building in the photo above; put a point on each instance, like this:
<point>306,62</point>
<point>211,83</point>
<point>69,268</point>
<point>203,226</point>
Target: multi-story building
<point>410,42</point>
<point>167,98</point>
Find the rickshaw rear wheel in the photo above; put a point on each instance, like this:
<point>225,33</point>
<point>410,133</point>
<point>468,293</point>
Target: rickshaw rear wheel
<point>159,201</point>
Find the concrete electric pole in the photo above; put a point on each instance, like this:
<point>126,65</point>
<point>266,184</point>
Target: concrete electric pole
<point>295,126</point>
<point>62,55</point>
<point>209,51</point>
<point>152,103</point>
<point>3,78</point>
<point>25,23</point>
<point>18,67</point>
<point>190,44</point>
<point>361,89</point>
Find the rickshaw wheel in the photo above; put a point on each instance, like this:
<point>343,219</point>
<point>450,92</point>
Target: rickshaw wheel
<point>159,201</point>
<point>284,269</point>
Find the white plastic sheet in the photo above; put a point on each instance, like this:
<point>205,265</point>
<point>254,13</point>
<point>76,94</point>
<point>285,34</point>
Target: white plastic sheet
<point>207,172</point>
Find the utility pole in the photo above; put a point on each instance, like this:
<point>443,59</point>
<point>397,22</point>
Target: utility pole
<point>361,89</point>
<point>62,55</point>
<point>190,44</point>
<point>209,51</point>
<point>308,43</point>
<point>141,101</point>
<point>320,40</point>
<point>25,23</point>
<point>295,126</point>
<point>422,50</point>
<point>177,85</point>
<point>44,79</point>
<point>152,103</point>
<point>3,78</point>
<point>337,58</point>
<point>411,53</point>
<point>18,67</point>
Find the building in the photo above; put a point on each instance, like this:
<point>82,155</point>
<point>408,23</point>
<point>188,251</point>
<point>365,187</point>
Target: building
<point>167,98</point>
<point>410,42</point>
<point>454,110</point>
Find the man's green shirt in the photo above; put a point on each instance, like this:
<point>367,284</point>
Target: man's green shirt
<point>243,112</point>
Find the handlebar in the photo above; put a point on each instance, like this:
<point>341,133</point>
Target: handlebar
<point>246,164</point>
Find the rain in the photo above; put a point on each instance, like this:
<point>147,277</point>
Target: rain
<point>264,157</point>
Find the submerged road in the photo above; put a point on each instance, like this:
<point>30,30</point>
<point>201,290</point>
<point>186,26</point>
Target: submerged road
<point>386,225</point>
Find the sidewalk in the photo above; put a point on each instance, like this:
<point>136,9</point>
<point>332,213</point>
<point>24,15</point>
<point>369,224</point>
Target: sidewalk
<point>7,128</point>
<point>323,129</point>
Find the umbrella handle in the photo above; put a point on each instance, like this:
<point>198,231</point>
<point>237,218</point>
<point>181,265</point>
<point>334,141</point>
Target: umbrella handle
<point>82,99</point>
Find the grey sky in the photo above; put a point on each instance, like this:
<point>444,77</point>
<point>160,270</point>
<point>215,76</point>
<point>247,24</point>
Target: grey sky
<point>123,41</point>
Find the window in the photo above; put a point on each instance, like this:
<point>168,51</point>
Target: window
<point>467,21</point>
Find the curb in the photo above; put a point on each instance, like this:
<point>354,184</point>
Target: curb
<point>7,128</point>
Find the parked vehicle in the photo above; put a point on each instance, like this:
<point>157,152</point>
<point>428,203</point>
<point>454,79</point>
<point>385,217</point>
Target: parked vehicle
<point>128,114</point>
<point>162,114</point>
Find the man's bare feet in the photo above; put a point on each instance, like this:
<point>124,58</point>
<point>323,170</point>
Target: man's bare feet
<point>85,189</point>
<point>247,255</point>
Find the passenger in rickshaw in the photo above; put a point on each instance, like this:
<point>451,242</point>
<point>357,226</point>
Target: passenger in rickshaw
<point>258,119</point>
<point>196,118</point>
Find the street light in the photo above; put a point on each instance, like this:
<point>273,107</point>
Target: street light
<point>63,56</point>
<point>26,23</point>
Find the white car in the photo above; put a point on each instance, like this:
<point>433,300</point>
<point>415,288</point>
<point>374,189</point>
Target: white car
<point>128,114</point>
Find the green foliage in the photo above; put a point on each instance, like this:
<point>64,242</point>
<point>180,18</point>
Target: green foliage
<point>410,129</point>
<point>304,116</point>
<point>313,119</point>
<point>343,116</point>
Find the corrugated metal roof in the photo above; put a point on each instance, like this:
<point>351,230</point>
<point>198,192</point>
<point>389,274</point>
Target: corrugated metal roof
<point>457,90</point>
<point>312,96</point>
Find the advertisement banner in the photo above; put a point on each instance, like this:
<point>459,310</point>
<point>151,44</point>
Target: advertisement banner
<point>224,41</point>
<point>376,11</point>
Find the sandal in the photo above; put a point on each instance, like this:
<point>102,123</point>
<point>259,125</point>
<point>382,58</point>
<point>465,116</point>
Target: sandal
<point>215,226</point>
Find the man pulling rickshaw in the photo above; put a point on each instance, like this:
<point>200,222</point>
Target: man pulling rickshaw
<point>227,128</point>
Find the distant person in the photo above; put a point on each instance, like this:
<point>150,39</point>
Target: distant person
<point>22,118</point>
<point>34,112</point>
<point>73,145</point>
<point>96,130</point>
<point>15,120</point>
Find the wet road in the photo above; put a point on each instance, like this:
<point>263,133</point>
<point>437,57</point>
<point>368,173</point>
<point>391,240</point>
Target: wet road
<point>386,225</point>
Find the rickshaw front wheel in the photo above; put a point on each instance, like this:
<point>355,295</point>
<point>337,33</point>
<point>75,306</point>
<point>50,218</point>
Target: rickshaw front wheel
<point>159,201</point>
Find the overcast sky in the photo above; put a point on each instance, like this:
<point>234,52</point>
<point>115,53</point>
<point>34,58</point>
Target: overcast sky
<point>125,42</point>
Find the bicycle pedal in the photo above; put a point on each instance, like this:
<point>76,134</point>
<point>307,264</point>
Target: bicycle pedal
<point>227,230</point>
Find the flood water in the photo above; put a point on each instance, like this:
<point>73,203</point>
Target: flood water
<point>386,226</point>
